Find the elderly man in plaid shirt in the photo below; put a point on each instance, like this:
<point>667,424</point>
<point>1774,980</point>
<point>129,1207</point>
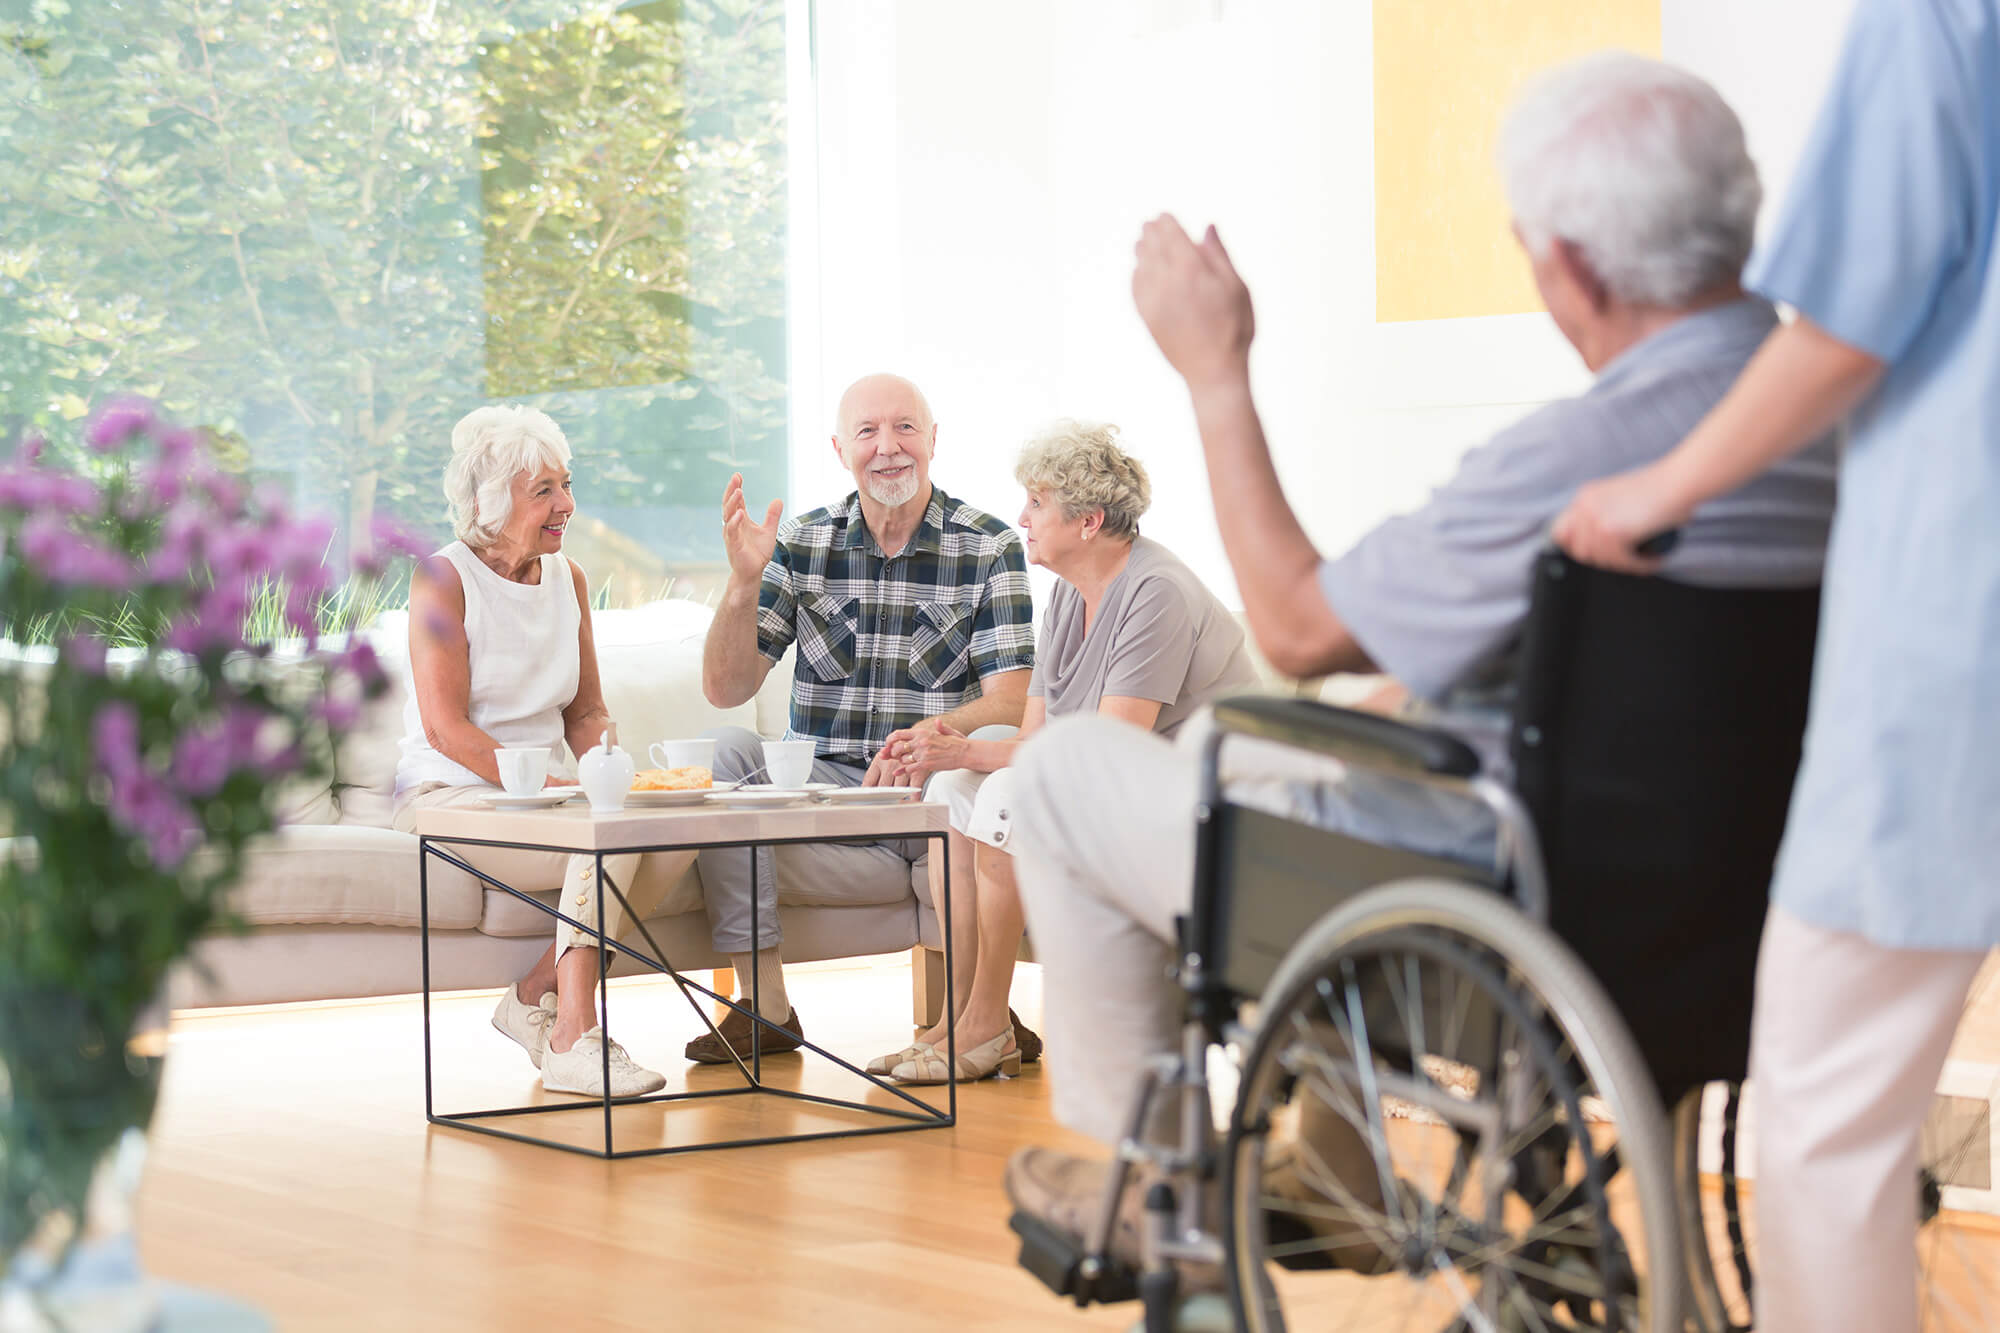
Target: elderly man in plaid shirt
<point>909,609</point>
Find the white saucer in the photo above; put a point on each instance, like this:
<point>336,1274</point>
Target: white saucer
<point>803,789</point>
<point>536,801</point>
<point>756,798</point>
<point>870,795</point>
<point>692,796</point>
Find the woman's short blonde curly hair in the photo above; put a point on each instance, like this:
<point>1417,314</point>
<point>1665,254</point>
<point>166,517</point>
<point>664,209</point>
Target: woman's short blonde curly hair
<point>1079,464</point>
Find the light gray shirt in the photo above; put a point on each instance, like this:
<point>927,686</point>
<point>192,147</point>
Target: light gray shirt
<point>1437,597</point>
<point>1159,634</point>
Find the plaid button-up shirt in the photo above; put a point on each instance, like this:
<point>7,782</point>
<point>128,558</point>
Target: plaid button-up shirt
<point>886,641</point>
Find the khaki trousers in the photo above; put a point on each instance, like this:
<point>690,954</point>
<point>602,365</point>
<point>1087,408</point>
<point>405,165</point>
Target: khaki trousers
<point>1845,1050</point>
<point>644,880</point>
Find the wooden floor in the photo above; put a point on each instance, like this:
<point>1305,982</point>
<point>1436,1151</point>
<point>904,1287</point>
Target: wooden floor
<point>292,1168</point>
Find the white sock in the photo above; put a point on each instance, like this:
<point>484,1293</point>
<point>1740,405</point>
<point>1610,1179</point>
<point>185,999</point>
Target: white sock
<point>773,1003</point>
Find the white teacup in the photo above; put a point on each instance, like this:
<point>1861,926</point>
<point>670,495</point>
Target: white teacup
<point>682,754</point>
<point>523,768</point>
<point>789,763</point>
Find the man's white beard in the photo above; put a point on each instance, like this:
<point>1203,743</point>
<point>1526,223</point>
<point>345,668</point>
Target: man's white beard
<point>893,493</point>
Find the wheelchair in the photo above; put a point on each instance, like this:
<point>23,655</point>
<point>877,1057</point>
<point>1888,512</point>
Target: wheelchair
<point>1452,1078</point>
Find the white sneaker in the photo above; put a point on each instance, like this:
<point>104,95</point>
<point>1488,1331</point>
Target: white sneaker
<point>581,1069</point>
<point>528,1026</point>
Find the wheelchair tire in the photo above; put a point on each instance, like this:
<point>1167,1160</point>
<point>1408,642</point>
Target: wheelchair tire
<point>1524,1231</point>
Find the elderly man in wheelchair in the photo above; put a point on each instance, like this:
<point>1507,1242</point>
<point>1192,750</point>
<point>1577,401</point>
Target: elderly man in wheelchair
<point>1461,957</point>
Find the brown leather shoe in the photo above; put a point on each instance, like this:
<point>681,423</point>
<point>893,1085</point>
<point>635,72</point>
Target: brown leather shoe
<point>1065,1191</point>
<point>708,1050</point>
<point>1025,1039</point>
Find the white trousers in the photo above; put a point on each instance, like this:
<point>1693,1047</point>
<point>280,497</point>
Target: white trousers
<point>1846,1046</point>
<point>644,880</point>
<point>1104,852</point>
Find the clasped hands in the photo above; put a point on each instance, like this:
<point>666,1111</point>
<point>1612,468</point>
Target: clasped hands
<point>909,757</point>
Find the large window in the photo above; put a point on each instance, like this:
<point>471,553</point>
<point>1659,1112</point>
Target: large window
<point>328,228</point>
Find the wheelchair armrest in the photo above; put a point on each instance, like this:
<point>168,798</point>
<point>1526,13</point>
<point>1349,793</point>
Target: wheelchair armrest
<point>1367,740</point>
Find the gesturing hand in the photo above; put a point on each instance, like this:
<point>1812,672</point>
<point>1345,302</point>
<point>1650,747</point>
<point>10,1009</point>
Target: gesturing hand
<point>750,545</point>
<point>1194,304</point>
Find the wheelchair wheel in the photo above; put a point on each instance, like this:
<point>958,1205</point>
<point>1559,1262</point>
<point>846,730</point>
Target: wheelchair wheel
<point>1443,1124</point>
<point>1956,1192</point>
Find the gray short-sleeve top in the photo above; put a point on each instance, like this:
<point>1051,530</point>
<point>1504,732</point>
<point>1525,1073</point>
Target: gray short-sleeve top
<point>1160,634</point>
<point>1437,597</point>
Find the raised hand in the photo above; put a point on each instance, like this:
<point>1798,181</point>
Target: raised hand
<point>749,544</point>
<point>1192,301</point>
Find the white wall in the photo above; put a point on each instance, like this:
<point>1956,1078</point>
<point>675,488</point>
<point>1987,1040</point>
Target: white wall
<point>984,171</point>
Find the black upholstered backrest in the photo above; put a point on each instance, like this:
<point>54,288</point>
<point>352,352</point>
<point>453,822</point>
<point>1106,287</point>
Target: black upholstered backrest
<point>1655,740</point>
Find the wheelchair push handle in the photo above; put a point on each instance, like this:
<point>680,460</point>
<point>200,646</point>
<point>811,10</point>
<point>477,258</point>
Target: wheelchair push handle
<point>1658,545</point>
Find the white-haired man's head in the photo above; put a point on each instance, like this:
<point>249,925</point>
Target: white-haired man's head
<point>490,448</point>
<point>1639,170</point>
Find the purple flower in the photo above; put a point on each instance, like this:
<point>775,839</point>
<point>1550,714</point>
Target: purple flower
<point>360,659</point>
<point>387,539</point>
<point>119,423</point>
<point>340,711</point>
<point>178,445</point>
<point>142,805</point>
<point>63,555</point>
<point>114,740</point>
<point>85,652</point>
<point>182,543</point>
<point>41,491</point>
<point>30,448</point>
<point>239,553</point>
<point>299,551</point>
<point>299,612</point>
<point>201,762</point>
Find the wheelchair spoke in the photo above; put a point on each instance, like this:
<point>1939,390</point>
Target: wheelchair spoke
<point>1467,1093</point>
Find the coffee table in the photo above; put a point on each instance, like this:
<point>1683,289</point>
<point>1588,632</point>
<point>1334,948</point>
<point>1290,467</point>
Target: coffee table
<point>575,828</point>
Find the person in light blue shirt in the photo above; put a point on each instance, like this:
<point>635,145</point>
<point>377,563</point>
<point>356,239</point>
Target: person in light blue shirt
<point>1887,892</point>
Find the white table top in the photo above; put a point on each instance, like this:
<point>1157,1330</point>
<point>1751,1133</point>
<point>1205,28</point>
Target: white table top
<point>573,828</point>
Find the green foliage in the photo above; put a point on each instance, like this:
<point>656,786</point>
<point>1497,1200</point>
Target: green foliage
<point>329,228</point>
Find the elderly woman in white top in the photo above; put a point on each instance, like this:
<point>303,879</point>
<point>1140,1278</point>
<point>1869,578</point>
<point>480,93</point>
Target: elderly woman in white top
<point>501,655</point>
<point>1130,633</point>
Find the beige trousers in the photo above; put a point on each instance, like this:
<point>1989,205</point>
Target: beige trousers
<point>644,880</point>
<point>1845,1050</point>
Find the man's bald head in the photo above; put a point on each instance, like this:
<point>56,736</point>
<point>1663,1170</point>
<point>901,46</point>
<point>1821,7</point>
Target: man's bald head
<point>881,394</point>
<point>885,435</point>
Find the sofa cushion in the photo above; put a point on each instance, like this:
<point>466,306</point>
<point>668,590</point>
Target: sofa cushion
<point>347,875</point>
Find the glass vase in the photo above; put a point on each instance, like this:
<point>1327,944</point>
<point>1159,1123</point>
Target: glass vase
<point>77,1090</point>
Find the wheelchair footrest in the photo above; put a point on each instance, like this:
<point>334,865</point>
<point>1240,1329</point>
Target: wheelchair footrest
<point>1058,1260</point>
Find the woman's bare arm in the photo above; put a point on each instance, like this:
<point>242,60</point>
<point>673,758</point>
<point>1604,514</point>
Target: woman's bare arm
<point>586,718</point>
<point>441,669</point>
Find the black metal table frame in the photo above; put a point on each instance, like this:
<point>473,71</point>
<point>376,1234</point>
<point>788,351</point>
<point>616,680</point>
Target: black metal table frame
<point>924,1116</point>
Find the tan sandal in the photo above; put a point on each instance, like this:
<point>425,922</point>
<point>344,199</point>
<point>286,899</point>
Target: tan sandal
<point>998,1056</point>
<point>881,1065</point>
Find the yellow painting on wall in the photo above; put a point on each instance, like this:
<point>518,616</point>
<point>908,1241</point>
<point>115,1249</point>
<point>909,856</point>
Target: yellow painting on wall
<point>1445,71</point>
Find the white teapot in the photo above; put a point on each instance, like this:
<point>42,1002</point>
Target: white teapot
<point>606,774</point>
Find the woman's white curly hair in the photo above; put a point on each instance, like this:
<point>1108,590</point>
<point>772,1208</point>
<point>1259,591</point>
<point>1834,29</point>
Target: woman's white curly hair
<point>490,446</point>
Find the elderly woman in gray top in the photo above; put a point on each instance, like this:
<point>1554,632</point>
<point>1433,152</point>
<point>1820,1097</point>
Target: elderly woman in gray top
<point>1131,633</point>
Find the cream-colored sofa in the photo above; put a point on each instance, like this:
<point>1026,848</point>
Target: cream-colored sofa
<point>332,902</point>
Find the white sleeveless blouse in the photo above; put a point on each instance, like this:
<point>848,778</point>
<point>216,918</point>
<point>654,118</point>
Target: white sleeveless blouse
<point>522,638</point>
